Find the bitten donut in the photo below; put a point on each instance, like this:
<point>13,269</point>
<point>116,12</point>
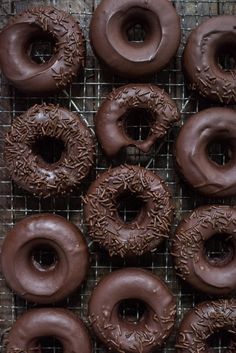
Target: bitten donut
<point>147,229</point>
<point>121,334</point>
<point>28,168</point>
<point>211,275</point>
<point>200,60</point>
<point>15,44</point>
<point>62,324</point>
<point>34,281</point>
<point>200,323</point>
<point>109,28</point>
<point>110,118</point>
<point>193,162</point>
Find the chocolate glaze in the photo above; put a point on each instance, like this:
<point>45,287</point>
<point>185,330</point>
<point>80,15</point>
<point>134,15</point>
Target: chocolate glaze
<point>109,120</point>
<point>200,60</point>
<point>192,159</point>
<point>67,328</point>
<point>29,170</point>
<point>26,276</point>
<point>122,335</point>
<point>203,321</point>
<point>108,35</point>
<point>213,276</point>
<point>147,230</point>
<point>22,30</point>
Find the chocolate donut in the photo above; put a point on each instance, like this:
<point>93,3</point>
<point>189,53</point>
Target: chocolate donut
<point>147,229</point>
<point>62,324</point>
<point>215,276</point>
<point>109,120</point>
<point>15,45</point>
<point>26,166</point>
<point>200,323</point>
<point>34,281</point>
<point>120,334</point>
<point>109,28</point>
<point>202,173</point>
<point>211,38</point>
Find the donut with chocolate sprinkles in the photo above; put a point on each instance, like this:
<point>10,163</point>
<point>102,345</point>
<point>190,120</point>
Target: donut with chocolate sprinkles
<point>126,100</point>
<point>214,275</point>
<point>212,39</point>
<point>203,321</point>
<point>62,324</point>
<point>122,334</point>
<point>25,163</point>
<point>17,37</point>
<point>23,253</point>
<point>147,229</point>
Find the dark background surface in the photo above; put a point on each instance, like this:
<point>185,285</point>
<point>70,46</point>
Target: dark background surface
<point>85,96</point>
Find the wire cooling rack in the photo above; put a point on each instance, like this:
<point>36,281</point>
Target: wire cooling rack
<point>84,96</point>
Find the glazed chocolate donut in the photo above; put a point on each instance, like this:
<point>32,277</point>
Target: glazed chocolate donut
<point>16,40</point>
<point>202,173</point>
<point>122,335</point>
<point>109,120</point>
<point>147,229</point>
<point>215,276</point>
<point>30,279</point>
<point>62,324</point>
<point>26,166</point>
<point>200,60</point>
<point>200,323</point>
<point>109,28</point>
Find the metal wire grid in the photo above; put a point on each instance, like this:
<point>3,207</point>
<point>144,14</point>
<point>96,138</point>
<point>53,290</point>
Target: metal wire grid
<point>85,96</point>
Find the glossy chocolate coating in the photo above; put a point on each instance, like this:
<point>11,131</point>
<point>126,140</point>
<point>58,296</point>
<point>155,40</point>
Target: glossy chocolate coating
<point>203,174</point>
<point>62,324</point>
<point>63,66</point>
<point>109,120</point>
<point>200,60</point>
<point>202,322</point>
<point>214,276</point>
<point>108,35</point>
<point>33,281</point>
<point>147,230</point>
<point>122,335</point>
<point>29,170</point>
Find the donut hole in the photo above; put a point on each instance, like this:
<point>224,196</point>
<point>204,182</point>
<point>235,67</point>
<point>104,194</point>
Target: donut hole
<point>132,310</point>
<point>50,149</point>
<point>220,152</point>
<point>221,341</point>
<point>226,61</point>
<point>139,26</point>
<point>137,123</point>
<point>42,48</point>
<point>226,55</point>
<point>44,257</point>
<point>219,249</point>
<point>129,206</point>
<point>47,344</point>
<point>135,26</point>
<point>136,32</point>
